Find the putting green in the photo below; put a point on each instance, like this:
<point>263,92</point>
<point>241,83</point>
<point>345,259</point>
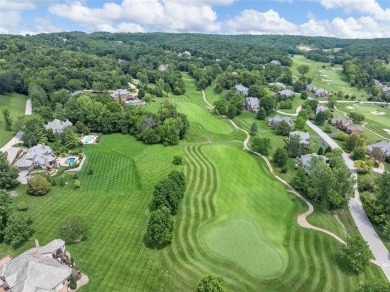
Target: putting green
<point>241,241</point>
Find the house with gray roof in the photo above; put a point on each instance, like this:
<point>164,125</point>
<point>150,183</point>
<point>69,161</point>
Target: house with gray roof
<point>383,146</point>
<point>275,62</point>
<point>320,108</point>
<point>306,159</point>
<point>286,92</point>
<point>304,138</point>
<point>341,122</point>
<point>252,104</point>
<point>320,92</point>
<point>58,126</point>
<point>241,89</point>
<point>277,119</point>
<point>38,156</point>
<point>37,270</point>
<point>163,67</point>
<point>311,87</point>
<point>280,85</point>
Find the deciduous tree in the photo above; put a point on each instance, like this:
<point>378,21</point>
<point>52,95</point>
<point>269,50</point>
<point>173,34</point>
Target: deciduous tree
<point>356,254</point>
<point>210,283</point>
<point>160,227</point>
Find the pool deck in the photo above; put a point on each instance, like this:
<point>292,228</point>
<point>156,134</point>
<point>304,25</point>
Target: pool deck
<point>92,141</point>
<point>80,165</point>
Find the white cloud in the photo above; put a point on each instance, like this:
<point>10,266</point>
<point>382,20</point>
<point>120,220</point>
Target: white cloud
<point>16,5</point>
<point>42,25</point>
<point>370,7</point>
<point>270,22</point>
<point>256,22</point>
<point>159,15</point>
<point>121,27</point>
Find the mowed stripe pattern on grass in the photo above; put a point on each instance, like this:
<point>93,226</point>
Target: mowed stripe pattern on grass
<point>114,201</point>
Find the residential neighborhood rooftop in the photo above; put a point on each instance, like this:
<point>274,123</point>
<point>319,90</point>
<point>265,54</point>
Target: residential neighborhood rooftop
<point>304,138</point>
<point>384,146</point>
<point>57,125</point>
<point>33,272</point>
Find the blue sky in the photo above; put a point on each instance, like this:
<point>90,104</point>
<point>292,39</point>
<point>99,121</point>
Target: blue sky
<point>339,18</point>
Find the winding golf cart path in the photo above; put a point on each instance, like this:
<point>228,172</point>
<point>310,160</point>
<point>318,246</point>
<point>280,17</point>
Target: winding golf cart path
<point>302,218</point>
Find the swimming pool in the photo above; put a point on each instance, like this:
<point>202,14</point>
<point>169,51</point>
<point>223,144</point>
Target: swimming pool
<point>89,139</point>
<point>70,160</point>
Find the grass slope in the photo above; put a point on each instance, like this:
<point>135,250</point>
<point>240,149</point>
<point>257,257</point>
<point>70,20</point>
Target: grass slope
<point>16,104</point>
<point>230,194</point>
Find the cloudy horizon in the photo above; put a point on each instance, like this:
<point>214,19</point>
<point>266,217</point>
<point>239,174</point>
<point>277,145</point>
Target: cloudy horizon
<point>331,18</point>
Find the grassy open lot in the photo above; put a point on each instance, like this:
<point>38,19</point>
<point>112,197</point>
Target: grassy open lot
<point>329,78</point>
<point>16,104</point>
<point>236,221</point>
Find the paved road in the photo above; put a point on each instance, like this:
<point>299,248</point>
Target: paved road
<point>369,234</point>
<point>28,109</point>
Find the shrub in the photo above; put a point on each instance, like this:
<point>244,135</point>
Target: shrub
<point>74,229</point>
<point>90,171</point>
<point>22,206</point>
<point>62,182</point>
<point>177,160</point>
<point>38,185</point>
<point>75,176</point>
<point>77,184</point>
<point>328,129</point>
<point>72,283</point>
<point>18,230</point>
<point>284,169</point>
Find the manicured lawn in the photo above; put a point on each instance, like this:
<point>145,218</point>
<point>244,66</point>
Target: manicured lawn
<point>329,78</point>
<point>16,104</point>
<point>236,220</point>
<point>114,201</point>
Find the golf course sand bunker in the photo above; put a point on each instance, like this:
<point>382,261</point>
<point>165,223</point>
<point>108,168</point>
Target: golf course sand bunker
<point>241,241</point>
<point>378,113</point>
<point>387,130</point>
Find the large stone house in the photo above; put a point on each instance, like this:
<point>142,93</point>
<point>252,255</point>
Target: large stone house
<point>320,92</point>
<point>38,156</point>
<point>241,89</point>
<point>252,104</point>
<point>42,268</point>
<point>275,62</point>
<point>277,119</point>
<point>304,138</point>
<point>58,126</point>
<point>346,125</point>
<point>383,146</point>
<point>121,95</point>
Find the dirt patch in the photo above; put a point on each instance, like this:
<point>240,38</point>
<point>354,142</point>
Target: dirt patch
<point>378,113</point>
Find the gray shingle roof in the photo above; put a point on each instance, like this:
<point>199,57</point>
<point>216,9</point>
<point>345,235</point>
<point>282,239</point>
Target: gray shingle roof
<point>311,87</point>
<point>305,160</point>
<point>286,92</point>
<point>58,125</point>
<point>254,103</point>
<point>119,92</point>
<point>278,119</point>
<point>27,273</point>
<point>40,154</point>
<point>242,89</point>
<point>384,146</point>
<point>304,137</point>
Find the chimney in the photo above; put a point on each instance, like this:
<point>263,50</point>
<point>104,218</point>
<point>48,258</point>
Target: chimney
<point>36,254</point>
<point>36,242</point>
